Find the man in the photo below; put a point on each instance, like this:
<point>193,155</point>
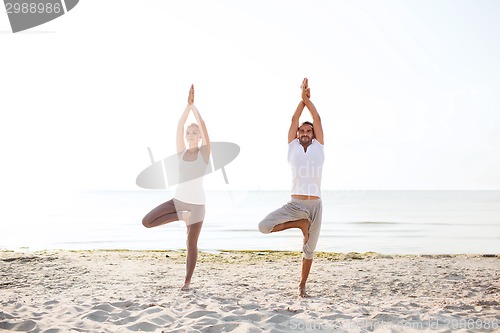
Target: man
<point>304,211</point>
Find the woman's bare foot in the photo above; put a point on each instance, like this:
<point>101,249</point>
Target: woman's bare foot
<point>302,291</point>
<point>186,286</point>
<point>186,216</point>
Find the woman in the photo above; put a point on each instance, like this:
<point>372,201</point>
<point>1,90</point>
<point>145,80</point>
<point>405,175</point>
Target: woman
<point>188,203</point>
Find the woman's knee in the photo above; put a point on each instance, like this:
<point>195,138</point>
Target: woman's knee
<point>146,222</point>
<point>192,243</point>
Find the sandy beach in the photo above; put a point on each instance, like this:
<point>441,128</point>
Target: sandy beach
<point>138,291</point>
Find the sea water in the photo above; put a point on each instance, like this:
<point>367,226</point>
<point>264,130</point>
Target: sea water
<point>403,222</point>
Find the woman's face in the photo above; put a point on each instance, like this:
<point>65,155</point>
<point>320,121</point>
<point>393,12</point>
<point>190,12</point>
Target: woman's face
<point>193,135</point>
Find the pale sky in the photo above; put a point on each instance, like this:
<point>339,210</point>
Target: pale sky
<point>408,91</point>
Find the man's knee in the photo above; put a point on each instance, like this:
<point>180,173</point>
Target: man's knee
<point>307,251</point>
<point>308,255</point>
<point>265,228</point>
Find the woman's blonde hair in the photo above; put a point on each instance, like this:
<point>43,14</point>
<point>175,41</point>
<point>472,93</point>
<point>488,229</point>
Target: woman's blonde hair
<point>193,125</point>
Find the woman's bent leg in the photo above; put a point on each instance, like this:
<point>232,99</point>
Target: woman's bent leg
<point>160,215</point>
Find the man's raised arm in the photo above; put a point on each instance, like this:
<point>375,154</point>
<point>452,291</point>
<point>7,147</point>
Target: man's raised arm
<point>294,126</point>
<point>318,128</point>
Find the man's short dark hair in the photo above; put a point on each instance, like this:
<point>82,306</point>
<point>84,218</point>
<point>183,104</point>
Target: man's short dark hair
<point>308,123</point>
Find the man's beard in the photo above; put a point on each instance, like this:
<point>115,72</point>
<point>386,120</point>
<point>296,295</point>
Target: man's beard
<point>305,139</point>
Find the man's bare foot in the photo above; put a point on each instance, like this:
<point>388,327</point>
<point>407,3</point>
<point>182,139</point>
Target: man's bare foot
<point>302,291</point>
<point>185,287</point>
<point>304,227</point>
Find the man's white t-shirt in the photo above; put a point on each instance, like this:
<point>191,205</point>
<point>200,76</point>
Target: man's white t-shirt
<point>307,167</point>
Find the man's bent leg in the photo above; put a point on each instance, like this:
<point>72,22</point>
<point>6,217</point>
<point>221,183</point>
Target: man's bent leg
<point>278,219</point>
<point>302,224</point>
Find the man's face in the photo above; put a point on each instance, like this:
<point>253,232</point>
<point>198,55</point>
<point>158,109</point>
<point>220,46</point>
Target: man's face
<point>305,134</point>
